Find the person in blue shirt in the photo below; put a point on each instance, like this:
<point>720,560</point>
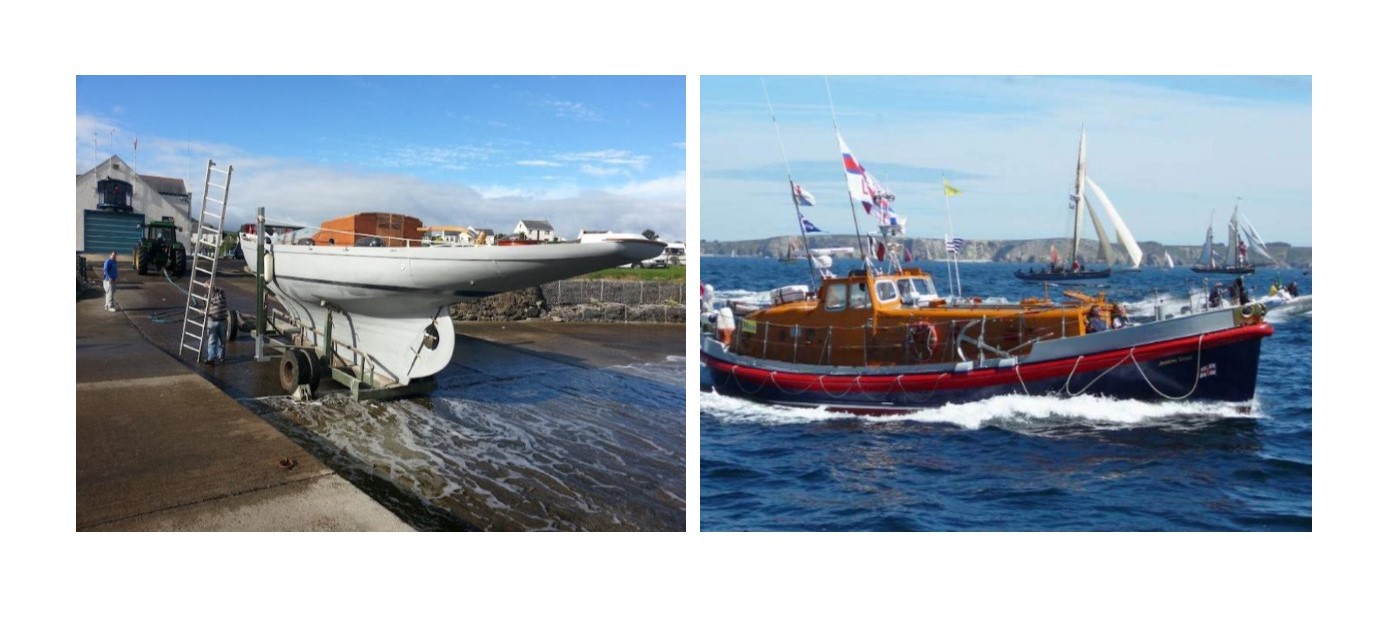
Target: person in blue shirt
<point>109,281</point>
<point>1093,321</point>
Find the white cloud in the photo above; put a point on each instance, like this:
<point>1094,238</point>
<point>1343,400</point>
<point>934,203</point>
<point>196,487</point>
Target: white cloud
<point>537,163</point>
<point>598,171</point>
<point>572,110</point>
<point>623,158</point>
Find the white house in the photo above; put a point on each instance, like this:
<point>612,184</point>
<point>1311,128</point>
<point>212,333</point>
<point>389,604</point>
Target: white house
<point>114,203</point>
<point>536,230</point>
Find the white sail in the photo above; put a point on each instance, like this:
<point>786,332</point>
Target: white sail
<point>1167,258</point>
<point>1104,252</point>
<point>1257,244</point>
<point>1208,256</point>
<point>1122,232</point>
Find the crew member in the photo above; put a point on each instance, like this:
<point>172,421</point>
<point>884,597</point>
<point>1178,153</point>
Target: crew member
<point>1093,321</point>
<point>109,281</point>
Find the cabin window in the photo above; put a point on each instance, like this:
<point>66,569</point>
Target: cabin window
<point>858,296</point>
<point>886,291</point>
<point>835,297</point>
<point>911,288</point>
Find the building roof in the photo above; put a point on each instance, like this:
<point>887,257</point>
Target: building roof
<point>537,225</point>
<point>166,186</point>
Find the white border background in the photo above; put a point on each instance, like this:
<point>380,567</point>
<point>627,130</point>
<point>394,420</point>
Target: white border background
<point>56,574</point>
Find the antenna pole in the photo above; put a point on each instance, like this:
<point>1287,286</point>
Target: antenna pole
<point>790,177</point>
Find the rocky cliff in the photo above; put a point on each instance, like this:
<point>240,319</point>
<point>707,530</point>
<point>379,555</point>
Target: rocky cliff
<point>1030,251</point>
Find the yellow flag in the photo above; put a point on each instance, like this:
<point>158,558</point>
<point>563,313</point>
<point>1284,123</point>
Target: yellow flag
<point>950,191</point>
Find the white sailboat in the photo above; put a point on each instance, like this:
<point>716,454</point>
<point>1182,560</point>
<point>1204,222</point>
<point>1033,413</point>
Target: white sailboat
<point>1167,258</point>
<point>391,304</point>
<point>1104,252</point>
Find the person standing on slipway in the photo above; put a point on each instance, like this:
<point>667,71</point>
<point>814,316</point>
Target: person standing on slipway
<point>217,313</point>
<point>109,281</point>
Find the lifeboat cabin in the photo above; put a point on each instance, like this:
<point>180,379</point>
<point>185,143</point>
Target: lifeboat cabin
<point>868,319</point>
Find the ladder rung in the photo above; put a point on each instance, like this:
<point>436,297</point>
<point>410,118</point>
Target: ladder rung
<point>194,336</point>
<point>217,170</point>
<point>204,270</point>
<point>214,199</point>
<point>209,258</point>
<point>201,298</point>
<point>217,186</point>
<point>214,230</point>
<point>198,283</point>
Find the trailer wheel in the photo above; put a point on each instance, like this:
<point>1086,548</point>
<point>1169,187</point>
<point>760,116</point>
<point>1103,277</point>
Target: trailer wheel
<point>294,369</point>
<point>232,324</point>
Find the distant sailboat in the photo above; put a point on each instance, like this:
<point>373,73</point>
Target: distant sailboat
<point>1104,252</point>
<point>1237,260</point>
<point>790,255</point>
<point>1167,258</point>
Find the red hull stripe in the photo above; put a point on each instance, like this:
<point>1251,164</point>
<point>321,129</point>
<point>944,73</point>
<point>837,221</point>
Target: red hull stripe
<point>929,382</point>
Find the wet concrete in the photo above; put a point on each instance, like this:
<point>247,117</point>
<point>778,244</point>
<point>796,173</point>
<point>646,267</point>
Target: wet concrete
<point>541,425</point>
<point>160,447</point>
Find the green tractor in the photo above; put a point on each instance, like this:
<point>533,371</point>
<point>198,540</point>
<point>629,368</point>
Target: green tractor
<point>160,250</point>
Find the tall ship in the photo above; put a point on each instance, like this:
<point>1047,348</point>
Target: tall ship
<point>1237,257</point>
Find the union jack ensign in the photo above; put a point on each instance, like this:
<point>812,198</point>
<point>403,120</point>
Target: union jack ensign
<point>1207,371</point>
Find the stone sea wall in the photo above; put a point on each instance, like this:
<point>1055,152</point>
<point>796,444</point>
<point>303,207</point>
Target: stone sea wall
<point>592,301</point>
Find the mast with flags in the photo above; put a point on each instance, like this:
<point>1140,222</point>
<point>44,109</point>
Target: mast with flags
<point>798,195</point>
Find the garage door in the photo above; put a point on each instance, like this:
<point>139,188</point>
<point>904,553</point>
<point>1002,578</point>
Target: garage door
<point>104,232</point>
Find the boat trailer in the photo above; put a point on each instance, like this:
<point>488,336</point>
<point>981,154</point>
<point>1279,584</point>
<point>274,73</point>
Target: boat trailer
<point>303,361</point>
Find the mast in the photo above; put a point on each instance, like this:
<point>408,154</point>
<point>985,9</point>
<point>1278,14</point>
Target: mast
<point>1232,237</point>
<point>790,177</point>
<point>1077,198</point>
<point>852,207</point>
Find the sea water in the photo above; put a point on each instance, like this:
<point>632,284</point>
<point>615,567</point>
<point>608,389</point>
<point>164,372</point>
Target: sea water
<point>1019,463</point>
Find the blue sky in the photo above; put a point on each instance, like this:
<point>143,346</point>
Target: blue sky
<point>1168,150</point>
<point>596,152</point>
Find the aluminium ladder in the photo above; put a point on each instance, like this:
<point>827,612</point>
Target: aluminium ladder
<point>205,240</point>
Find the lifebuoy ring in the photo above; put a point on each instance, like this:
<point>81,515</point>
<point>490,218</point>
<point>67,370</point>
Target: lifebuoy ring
<point>922,340</point>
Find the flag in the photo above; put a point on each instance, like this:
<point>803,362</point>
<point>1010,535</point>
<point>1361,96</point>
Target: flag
<point>954,245</point>
<point>863,187</point>
<point>809,227</point>
<point>907,257</point>
<point>801,196</point>
<point>950,191</point>
<point>881,252</point>
<point>854,174</point>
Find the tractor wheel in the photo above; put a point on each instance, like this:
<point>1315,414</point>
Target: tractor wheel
<point>178,265</point>
<point>142,262</point>
<point>294,369</point>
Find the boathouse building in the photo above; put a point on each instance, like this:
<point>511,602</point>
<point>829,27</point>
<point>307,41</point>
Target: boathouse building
<point>115,203</point>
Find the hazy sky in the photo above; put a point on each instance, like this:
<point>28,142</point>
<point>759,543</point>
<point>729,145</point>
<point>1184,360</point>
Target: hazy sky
<point>1168,151</point>
<point>594,152</point>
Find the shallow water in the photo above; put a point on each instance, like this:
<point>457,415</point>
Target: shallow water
<point>517,441</point>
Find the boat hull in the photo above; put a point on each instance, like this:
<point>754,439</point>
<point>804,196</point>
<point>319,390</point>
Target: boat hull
<point>392,304</point>
<point>1225,270</point>
<point>1217,365</point>
<point>1062,277</point>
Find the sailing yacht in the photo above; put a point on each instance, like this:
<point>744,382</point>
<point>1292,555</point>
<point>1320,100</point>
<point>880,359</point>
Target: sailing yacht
<point>1237,260</point>
<point>1105,253</point>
